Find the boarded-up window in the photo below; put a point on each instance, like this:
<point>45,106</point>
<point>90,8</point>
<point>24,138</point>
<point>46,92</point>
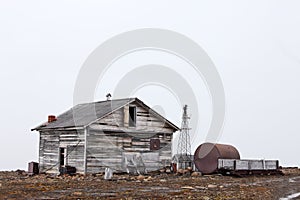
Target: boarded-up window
<point>154,144</point>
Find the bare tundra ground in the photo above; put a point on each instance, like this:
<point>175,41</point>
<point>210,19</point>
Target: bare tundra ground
<point>18,185</point>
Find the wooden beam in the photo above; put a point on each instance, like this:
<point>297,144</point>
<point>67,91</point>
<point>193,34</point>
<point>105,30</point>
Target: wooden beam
<point>85,147</point>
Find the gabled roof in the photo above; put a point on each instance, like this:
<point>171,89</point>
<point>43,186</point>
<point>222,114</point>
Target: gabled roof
<point>85,114</point>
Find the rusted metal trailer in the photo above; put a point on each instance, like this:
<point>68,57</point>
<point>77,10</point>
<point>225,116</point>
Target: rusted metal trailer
<point>248,167</point>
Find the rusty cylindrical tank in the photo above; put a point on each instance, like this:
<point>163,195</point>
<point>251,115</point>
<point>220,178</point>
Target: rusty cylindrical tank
<point>207,154</point>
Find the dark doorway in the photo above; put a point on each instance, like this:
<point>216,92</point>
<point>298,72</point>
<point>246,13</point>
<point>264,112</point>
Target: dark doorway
<point>62,156</point>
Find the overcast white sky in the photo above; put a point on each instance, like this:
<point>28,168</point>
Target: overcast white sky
<point>254,44</point>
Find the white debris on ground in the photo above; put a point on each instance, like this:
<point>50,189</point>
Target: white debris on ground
<point>292,196</point>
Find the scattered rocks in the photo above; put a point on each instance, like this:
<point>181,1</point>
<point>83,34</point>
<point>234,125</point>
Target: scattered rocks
<point>201,188</point>
<point>20,172</point>
<point>50,177</point>
<point>196,174</point>
<point>188,187</point>
<point>99,175</point>
<point>188,171</point>
<point>211,186</point>
<point>290,170</point>
<point>140,177</point>
<point>243,185</point>
<point>151,186</point>
<point>165,170</point>
<point>180,171</point>
<point>77,193</point>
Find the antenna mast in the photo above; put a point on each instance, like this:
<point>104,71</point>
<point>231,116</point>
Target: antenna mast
<point>184,144</point>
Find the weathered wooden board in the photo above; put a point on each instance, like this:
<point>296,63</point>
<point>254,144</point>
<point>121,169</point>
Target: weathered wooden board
<point>234,164</point>
<point>227,164</point>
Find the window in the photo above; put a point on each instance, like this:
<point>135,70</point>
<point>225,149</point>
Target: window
<point>62,156</point>
<point>132,116</point>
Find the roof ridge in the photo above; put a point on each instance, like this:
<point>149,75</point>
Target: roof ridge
<point>105,101</point>
<point>122,99</point>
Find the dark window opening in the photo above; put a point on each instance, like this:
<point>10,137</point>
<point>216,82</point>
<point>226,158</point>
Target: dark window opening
<point>154,144</point>
<point>62,152</point>
<point>132,116</point>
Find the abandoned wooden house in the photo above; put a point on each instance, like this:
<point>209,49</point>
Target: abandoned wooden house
<point>123,134</point>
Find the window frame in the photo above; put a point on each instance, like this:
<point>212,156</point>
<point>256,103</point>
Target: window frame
<point>132,122</point>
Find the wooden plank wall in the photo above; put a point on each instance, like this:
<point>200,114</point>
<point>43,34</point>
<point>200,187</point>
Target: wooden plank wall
<point>102,151</point>
<point>48,152</point>
<point>73,140</point>
<point>109,140</point>
<point>145,121</point>
<point>51,141</point>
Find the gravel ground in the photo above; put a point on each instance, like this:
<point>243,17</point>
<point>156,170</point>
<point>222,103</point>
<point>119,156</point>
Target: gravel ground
<point>18,185</point>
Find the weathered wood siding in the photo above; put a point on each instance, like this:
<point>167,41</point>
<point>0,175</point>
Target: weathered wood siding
<point>102,151</point>
<point>49,152</point>
<point>145,121</point>
<point>73,141</point>
<point>110,143</point>
<point>51,141</point>
<point>110,140</point>
<point>234,164</point>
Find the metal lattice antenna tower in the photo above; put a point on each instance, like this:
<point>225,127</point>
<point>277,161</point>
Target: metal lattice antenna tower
<point>184,144</point>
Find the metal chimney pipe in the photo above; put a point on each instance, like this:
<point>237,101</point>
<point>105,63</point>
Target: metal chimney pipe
<point>108,96</point>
